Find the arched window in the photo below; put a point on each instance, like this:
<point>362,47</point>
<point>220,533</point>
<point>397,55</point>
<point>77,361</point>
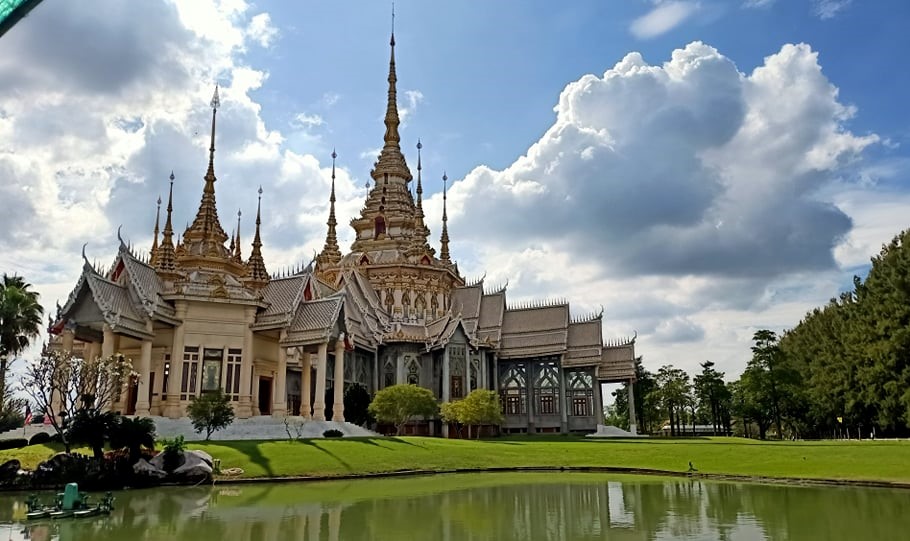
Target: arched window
<point>412,366</point>
<point>581,394</point>
<point>434,304</point>
<point>378,227</point>
<point>513,382</point>
<point>546,388</point>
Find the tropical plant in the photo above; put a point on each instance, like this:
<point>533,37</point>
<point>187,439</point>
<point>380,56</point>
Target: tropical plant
<point>134,434</point>
<point>91,426</point>
<point>20,321</point>
<point>172,448</point>
<point>397,404</point>
<point>210,412</point>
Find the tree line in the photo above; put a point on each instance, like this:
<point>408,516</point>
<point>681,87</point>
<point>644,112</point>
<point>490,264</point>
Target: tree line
<point>843,371</point>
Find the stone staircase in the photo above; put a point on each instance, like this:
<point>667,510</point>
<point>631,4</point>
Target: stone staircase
<point>254,428</point>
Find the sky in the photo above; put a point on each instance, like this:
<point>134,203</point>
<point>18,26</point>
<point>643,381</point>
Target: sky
<point>697,170</point>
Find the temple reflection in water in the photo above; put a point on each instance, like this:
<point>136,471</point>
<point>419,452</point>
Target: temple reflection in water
<point>552,507</point>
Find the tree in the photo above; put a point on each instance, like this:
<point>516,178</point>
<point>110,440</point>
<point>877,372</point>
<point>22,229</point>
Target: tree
<point>20,321</point>
<point>357,405</point>
<point>210,412</point>
<point>711,394</point>
<point>673,393</point>
<point>479,408</point>
<point>134,434</point>
<point>765,356</point>
<point>61,385</point>
<point>397,404</point>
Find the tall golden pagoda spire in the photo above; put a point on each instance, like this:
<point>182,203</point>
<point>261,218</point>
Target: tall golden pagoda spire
<point>331,255</point>
<point>165,256</point>
<point>419,244</point>
<point>153,254</point>
<point>444,240</point>
<point>257,275</point>
<point>205,237</point>
<point>391,161</point>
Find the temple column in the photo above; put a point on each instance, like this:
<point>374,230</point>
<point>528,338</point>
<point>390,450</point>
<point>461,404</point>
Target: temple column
<point>467,372</point>
<point>306,385</point>
<point>69,336</point>
<point>376,370</point>
<point>633,426</point>
<point>399,368</point>
<point>245,403</point>
<point>280,397</point>
<point>319,399</point>
<point>598,402</point>
<point>338,405</point>
<point>145,364</point>
<point>445,386</point>
<point>109,346</point>
<point>172,400</point>
<point>563,409</point>
<point>157,404</point>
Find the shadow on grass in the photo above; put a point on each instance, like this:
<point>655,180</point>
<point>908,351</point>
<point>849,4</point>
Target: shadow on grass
<point>255,455</point>
<point>313,443</point>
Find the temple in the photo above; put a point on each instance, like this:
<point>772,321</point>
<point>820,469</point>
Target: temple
<point>195,316</point>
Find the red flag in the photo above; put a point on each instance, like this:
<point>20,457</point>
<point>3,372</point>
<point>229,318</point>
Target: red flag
<point>28,415</point>
<point>47,418</point>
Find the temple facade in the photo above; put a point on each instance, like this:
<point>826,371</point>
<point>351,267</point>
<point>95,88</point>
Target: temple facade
<point>196,316</point>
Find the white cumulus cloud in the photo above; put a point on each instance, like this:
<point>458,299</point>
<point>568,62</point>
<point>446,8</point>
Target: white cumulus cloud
<point>665,16</point>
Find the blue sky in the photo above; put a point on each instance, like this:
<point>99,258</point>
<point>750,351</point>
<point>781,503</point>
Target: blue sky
<point>698,169</point>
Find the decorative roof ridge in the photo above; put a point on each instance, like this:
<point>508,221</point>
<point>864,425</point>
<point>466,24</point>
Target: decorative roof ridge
<point>621,342</point>
<point>588,318</point>
<point>536,304</point>
<point>499,289</point>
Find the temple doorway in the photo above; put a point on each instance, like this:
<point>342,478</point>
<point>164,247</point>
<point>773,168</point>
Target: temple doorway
<point>265,395</point>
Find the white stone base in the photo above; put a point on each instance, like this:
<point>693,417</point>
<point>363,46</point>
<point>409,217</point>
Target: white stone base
<point>610,431</point>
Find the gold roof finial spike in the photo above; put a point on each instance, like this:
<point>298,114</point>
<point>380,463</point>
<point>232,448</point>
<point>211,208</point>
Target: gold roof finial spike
<point>331,255</point>
<point>237,255</point>
<point>391,160</point>
<point>216,103</point>
<point>419,185</point>
<point>257,275</point>
<point>153,253</point>
<point>444,240</point>
<point>165,256</point>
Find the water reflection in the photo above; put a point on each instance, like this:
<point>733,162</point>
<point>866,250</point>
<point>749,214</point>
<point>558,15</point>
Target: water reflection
<point>558,507</point>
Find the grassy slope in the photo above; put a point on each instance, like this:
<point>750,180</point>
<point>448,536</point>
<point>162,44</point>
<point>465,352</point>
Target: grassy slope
<point>879,460</point>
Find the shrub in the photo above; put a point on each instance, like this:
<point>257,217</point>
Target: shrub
<point>333,433</point>
<point>211,412</point>
<point>398,403</point>
<point>14,443</point>
<point>133,434</point>
<point>39,438</point>
<point>92,426</point>
<point>172,450</point>
<point>357,405</point>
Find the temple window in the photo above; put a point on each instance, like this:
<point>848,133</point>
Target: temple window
<point>412,366</point>
<point>513,382</point>
<point>456,364</point>
<point>232,379</point>
<point>388,372</point>
<point>189,372</point>
<point>378,227</point>
<point>581,394</point>
<point>546,388</point>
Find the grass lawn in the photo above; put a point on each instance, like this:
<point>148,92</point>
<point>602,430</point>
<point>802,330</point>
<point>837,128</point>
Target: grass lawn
<point>866,460</point>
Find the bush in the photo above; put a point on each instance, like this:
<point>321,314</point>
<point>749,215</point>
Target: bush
<point>398,403</point>
<point>14,443</point>
<point>172,450</point>
<point>357,405</point>
<point>133,434</point>
<point>211,412</point>
<point>333,433</point>
<point>39,438</point>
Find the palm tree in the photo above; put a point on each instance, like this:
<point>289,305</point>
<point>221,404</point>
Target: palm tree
<point>20,321</point>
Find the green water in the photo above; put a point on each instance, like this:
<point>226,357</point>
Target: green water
<point>493,507</point>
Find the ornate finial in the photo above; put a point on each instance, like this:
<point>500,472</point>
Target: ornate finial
<point>331,255</point>
<point>153,254</point>
<point>165,256</point>
<point>419,185</point>
<point>206,238</point>
<point>237,255</point>
<point>257,275</point>
<point>391,161</point>
<point>444,240</point>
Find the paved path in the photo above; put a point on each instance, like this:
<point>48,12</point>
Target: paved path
<point>254,428</point>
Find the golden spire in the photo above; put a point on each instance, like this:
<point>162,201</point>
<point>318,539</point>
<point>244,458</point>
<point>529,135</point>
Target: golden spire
<point>419,186</point>
<point>391,161</point>
<point>165,256</point>
<point>256,272</point>
<point>154,251</point>
<point>419,245</point>
<point>237,256</point>
<point>330,253</point>
<point>444,240</point>
<point>205,237</point>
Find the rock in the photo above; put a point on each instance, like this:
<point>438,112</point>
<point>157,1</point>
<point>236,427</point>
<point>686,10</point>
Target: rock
<point>58,462</point>
<point>144,468</point>
<point>158,460</point>
<point>203,455</point>
<point>194,467</point>
<point>9,470</point>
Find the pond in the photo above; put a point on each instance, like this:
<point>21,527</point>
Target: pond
<point>495,507</point>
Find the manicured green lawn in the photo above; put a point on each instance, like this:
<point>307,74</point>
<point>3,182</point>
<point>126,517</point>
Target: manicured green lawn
<point>867,460</point>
